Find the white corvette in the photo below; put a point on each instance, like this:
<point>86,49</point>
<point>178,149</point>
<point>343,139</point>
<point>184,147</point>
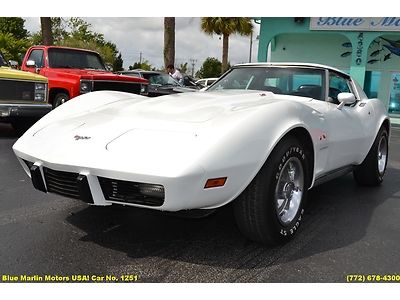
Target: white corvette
<point>261,136</point>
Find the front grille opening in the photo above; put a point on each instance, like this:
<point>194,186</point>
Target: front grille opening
<point>132,192</point>
<point>17,90</point>
<point>62,183</point>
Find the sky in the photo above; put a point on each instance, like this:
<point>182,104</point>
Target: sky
<point>133,35</point>
<point>137,26</point>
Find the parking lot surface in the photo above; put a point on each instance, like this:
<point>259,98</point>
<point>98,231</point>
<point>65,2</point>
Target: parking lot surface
<point>347,230</point>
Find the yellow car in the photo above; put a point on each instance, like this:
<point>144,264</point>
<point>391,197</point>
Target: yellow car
<point>23,97</point>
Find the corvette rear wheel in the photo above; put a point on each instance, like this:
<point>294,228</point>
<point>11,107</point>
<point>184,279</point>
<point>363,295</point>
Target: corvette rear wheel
<point>270,210</point>
<point>372,169</point>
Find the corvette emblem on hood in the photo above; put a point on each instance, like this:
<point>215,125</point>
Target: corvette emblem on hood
<point>80,137</point>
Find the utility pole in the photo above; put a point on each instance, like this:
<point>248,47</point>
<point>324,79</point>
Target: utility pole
<point>251,45</point>
<point>193,62</point>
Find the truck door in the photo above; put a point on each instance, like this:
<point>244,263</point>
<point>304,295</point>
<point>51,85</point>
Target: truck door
<point>36,55</point>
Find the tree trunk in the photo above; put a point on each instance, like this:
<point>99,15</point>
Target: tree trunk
<point>169,41</point>
<point>225,46</point>
<point>47,35</point>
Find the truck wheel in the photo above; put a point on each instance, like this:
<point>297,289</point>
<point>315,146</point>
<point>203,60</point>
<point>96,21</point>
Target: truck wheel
<point>59,99</point>
<point>270,210</point>
<point>372,169</point>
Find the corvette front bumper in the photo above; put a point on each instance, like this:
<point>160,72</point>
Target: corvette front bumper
<point>102,187</point>
<point>79,186</point>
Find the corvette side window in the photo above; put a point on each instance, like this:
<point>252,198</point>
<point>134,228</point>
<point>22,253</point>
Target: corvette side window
<point>307,84</point>
<point>338,84</point>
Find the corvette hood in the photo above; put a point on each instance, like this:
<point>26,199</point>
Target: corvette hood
<point>157,131</point>
<point>188,108</point>
<point>178,112</point>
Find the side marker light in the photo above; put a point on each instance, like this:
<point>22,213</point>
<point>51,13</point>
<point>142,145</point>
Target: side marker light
<point>215,182</point>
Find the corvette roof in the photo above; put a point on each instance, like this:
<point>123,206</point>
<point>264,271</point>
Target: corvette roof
<point>292,64</point>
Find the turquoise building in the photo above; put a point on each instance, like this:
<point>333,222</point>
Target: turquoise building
<point>366,48</point>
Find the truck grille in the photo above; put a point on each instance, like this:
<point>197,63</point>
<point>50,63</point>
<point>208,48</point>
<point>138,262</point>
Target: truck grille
<point>128,191</point>
<point>17,90</point>
<point>129,87</point>
<point>62,183</point>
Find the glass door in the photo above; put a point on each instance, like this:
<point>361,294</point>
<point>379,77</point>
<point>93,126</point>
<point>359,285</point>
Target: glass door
<point>394,102</point>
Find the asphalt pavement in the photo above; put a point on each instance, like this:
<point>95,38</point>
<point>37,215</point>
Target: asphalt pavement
<point>348,230</point>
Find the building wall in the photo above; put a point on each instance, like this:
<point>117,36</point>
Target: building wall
<point>316,48</point>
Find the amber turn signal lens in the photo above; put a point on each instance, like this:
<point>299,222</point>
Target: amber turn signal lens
<point>215,182</point>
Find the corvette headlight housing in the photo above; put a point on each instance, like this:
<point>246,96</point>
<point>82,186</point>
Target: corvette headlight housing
<point>40,92</point>
<point>85,87</point>
<point>152,190</point>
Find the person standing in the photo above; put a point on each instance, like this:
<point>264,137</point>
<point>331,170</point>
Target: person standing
<point>175,73</point>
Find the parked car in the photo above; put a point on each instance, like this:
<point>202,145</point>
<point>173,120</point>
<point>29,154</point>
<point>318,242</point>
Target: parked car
<point>23,97</point>
<point>205,82</point>
<point>72,72</point>
<point>159,83</point>
<point>260,137</point>
<point>190,82</point>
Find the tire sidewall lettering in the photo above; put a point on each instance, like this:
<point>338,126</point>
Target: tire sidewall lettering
<point>298,152</point>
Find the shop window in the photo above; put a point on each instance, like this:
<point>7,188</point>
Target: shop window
<point>371,83</point>
<point>394,103</point>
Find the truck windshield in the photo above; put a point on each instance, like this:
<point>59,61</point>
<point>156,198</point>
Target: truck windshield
<point>75,59</point>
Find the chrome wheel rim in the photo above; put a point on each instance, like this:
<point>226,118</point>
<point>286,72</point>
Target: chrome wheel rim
<point>382,154</point>
<point>289,190</point>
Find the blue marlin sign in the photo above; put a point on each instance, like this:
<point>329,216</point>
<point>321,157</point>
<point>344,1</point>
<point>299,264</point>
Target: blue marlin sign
<point>356,23</point>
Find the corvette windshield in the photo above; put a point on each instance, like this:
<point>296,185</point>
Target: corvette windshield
<point>297,81</point>
<point>75,59</point>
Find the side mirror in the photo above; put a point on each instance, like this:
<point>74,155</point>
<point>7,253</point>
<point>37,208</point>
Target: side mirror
<point>345,98</point>
<point>109,67</point>
<point>30,63</point>
<point>13,64</point>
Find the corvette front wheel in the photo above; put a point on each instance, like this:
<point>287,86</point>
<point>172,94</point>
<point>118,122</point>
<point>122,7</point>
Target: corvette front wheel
<point>270,210</point>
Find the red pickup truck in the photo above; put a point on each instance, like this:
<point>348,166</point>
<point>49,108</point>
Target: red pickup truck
<point>72,72</point>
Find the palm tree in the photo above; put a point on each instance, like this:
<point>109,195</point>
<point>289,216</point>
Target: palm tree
<point>169,41</point>
<point>226,27</point>
<point>47,35</point>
